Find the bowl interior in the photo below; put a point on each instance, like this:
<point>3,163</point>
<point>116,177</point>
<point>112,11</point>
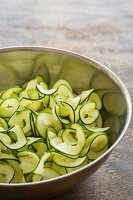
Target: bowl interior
<point>20,65</point>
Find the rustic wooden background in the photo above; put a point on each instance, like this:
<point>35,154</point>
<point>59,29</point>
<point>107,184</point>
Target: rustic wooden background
<point>101,29</point>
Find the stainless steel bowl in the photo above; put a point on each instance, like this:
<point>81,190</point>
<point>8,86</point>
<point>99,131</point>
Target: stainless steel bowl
<point>19,64</point>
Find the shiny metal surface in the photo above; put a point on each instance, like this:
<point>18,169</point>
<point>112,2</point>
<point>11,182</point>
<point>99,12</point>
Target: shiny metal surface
<point>20,64</point>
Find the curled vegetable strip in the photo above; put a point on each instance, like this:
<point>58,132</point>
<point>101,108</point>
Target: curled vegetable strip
<point>58,144</point>
<point>7,141</point>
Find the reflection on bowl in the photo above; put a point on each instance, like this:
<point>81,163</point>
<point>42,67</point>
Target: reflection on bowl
<point>20,64</point>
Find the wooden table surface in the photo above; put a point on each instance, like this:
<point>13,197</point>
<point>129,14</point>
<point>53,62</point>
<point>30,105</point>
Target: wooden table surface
<point>101,29</point>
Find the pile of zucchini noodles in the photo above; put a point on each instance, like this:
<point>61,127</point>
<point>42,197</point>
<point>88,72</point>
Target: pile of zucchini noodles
<point>46,133</point>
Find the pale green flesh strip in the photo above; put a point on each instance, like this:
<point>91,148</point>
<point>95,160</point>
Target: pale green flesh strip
<point>21,139</point>
<point>39,169</point>
<point>29,161</point>
<point>67,162</point>
<point>46,91</point>
<point>6,173</point>
<point>58,144</point>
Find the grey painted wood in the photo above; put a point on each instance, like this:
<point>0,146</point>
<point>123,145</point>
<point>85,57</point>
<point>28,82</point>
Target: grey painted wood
<point>102,30</point>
